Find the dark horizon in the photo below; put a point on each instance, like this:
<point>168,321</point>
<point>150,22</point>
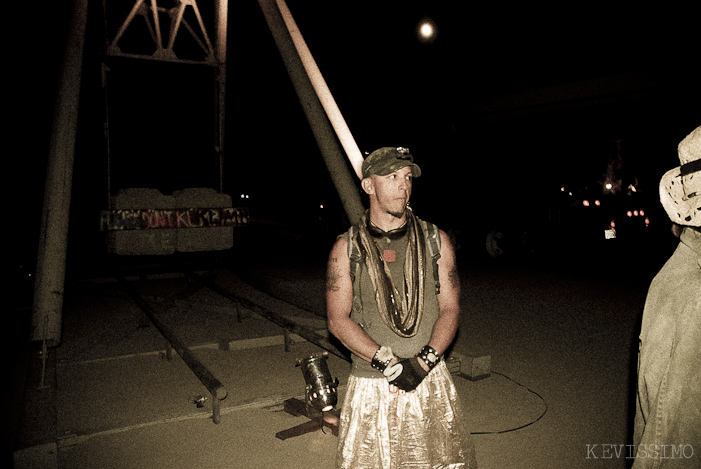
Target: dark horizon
<point>436,98</point>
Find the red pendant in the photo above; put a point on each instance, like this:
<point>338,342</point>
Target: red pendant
<point>389,255</point>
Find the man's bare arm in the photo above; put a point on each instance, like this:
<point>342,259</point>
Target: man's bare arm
<point>446,326</point>
<point>339,300</point>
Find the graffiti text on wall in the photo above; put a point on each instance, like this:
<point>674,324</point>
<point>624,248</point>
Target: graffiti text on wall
<point>147,219</point>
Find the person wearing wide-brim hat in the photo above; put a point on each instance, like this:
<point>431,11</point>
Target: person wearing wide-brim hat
<point>680,188</point>
<point>667,429</point>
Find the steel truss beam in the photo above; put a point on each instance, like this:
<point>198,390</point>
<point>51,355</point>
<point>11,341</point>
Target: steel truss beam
<point>152,17</point>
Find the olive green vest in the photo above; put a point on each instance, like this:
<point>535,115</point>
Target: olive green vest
<point>365,312</point>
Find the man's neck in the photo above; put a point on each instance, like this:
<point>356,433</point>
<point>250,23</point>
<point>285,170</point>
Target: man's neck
<point>386,221</point>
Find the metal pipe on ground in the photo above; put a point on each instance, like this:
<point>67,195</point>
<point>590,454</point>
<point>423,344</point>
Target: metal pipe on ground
<point>305,333</point>
<point>213,385</point>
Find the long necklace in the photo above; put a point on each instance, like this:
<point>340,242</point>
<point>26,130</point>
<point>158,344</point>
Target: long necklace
<point>400,312</point>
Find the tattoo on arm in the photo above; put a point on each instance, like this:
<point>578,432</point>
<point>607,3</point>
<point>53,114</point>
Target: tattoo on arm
<point>332,276</point>
<point>454,277</point>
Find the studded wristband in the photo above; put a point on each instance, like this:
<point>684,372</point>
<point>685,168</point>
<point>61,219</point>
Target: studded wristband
<point>429,355</point>
<point>382,358</point>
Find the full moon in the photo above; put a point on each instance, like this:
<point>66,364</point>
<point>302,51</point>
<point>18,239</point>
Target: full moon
<point>427,31</point>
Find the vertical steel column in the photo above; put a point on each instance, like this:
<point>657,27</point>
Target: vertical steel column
<point>222,12</point>
<point>313,110</point>
<point>53,241</point>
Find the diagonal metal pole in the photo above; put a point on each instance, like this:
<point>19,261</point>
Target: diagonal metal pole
<point>314,112</point>
<point>323,92</point>
<point>53,236</point>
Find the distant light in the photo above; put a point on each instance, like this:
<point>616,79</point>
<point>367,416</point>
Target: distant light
<point>647,221</point>
<point>630,214</point>
<point>562,189</point>
<point>642,213</point>
<point>610,234</point>
<point>585,203</point>
<point>321,206</point>
<point>635,213</point>
<point>612,224</point>
<point>597,203</point>
<point>609,185</point>
<point>427,30</point>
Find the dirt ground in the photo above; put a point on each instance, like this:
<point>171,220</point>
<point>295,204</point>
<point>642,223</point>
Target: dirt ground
<point>561,341</point>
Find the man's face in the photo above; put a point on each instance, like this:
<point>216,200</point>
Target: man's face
<point>393,191</point>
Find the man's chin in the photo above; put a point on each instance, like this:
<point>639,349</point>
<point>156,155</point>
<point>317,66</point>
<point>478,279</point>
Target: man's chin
<point>397,214</point>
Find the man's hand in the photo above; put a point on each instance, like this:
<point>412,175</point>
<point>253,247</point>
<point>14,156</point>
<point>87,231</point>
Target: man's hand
<point>393,370</point>
<point>410,375</point>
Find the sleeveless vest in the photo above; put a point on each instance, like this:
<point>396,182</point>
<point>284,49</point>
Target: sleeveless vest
<point>365,312</point>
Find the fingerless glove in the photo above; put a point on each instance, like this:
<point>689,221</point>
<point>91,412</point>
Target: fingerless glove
<point>411,376</point>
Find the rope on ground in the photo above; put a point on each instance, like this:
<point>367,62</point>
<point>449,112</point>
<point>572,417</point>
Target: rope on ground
<point>498,432</point>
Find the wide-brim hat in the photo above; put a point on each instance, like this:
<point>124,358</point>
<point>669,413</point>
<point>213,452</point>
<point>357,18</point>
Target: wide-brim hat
<point>387,160</point>
<point>680,188</point>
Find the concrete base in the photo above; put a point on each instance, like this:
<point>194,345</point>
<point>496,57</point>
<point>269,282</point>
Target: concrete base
<point>36,439</point>
<point>472,368</point>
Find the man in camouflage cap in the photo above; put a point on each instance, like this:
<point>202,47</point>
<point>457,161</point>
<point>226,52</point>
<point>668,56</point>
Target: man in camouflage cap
<point>387,160</point>
<point>386,305</point>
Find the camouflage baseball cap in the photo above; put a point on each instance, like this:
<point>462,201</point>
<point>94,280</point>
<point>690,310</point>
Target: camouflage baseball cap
<point>387,160</point>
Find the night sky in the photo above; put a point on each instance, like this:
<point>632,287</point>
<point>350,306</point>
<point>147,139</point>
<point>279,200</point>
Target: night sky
<point>393,89</point>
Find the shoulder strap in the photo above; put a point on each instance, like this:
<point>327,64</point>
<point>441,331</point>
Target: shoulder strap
<point>355,259</point>
<point>353,254</point>
<point>434,249</point>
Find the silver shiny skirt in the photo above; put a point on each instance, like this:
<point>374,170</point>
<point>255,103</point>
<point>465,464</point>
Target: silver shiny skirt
<point>383,428</point>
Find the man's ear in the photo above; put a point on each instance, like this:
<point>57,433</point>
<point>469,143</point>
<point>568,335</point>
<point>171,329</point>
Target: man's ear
<point>367,185</point>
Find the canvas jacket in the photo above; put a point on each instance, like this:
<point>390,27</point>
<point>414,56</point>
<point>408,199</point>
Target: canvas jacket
<point>667,429</point>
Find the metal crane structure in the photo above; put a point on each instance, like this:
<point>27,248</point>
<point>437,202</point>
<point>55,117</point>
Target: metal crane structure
<point>320,109</point>
<point>51,254</point>
<point>174,40</point>
<point>151,16</point>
